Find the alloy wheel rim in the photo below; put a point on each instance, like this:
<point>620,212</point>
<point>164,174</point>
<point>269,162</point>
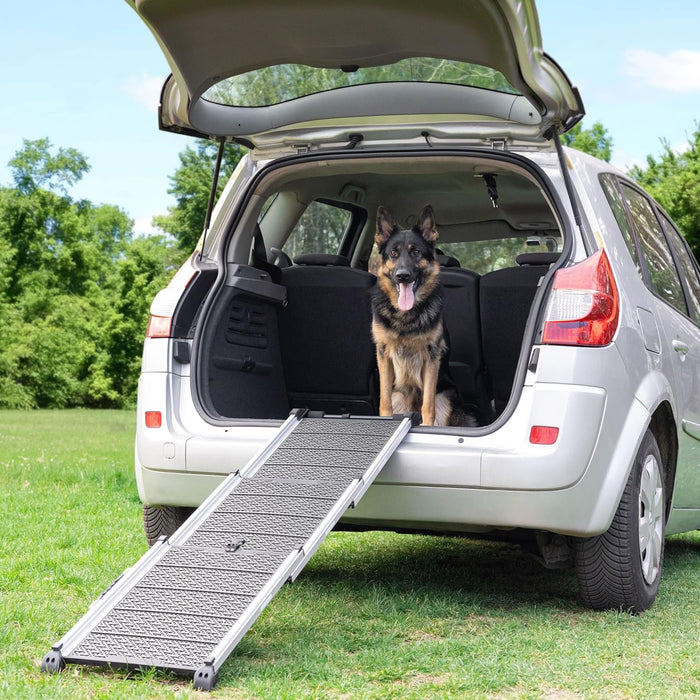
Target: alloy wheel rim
<point>651,515</point>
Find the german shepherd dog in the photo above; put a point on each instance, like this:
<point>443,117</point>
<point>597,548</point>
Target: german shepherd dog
<point>407,324</point>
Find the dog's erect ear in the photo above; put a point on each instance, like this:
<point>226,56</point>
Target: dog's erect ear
<point>385,226</point>
<point>426,224</point>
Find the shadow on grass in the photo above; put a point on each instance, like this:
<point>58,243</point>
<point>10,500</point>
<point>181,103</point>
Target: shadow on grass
<point>493,575</point>
<point>473,572</point>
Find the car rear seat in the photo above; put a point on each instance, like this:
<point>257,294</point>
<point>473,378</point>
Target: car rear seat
<point>328,354</point>
<point>463,326</point>
<point>505,298</point>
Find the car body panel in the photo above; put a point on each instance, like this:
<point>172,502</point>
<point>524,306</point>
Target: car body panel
<point>681,343</point>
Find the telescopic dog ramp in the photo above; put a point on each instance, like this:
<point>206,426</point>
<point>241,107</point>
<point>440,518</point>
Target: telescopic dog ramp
<point>189,600</point>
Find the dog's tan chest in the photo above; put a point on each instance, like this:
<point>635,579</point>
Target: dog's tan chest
<point>409,354</point>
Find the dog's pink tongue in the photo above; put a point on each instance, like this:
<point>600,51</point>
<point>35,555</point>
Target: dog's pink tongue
<point>406,297</point>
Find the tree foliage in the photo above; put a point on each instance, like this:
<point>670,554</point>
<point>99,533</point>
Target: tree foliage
<point>34,166</point>
<point>75,287</point>
<point>191,186</point>
<point>595,141</point>
<point>674,181</point>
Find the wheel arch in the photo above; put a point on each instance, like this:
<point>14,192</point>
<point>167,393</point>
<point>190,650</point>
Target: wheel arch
<point>664,428</point>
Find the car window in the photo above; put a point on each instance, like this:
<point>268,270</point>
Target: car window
<point>495,254</point>
<point>279,83</point>
<point>320,229</point>
<point>687,266</point>
<point>663,275</point>
<point>614,197</point>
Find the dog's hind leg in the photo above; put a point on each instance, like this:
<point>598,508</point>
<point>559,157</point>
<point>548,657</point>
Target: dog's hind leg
<point>386,381</point>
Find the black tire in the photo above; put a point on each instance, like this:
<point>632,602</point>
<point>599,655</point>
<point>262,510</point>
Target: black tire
<point>163,520</point>
<point>621,568</point>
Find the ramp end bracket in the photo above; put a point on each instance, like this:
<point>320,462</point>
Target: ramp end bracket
<point>205,676</point>
<point>53,662</point>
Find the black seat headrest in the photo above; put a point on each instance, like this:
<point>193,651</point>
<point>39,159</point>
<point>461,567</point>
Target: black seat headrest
<point>327,259</point>
<point>537,258</point>
<point>447,261</point>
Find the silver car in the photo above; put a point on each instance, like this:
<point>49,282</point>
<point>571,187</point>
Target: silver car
<point>572,301</point>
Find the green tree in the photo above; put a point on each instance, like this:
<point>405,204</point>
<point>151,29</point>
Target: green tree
<point>673,179</point>
<point>146,267</point>
<point>75,288</point>
<point>191,185</point>
<point>35,166</point>
<point>55,242</point>
<point>595,141</point>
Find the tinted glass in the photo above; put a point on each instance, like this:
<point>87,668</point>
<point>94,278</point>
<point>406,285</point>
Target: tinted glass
<point>495,254</point>
<point>662,270</point>
<point>612,192</point>
<point>687,267</point>
<point>320,229</point>
<point>274,84</point>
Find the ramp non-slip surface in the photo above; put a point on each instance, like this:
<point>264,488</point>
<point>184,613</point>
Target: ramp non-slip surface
<point>186,604</point>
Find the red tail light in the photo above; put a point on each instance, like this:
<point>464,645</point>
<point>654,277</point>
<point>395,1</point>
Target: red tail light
<point>543,435</point>
<point>153,419</point>
<point>584,307</point>
<point>159,326</point>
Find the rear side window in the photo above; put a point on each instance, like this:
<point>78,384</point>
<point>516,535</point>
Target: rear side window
<point>663,275</point>
<point>687,266</point>
<point>614,197</point>
<point>320,229</point>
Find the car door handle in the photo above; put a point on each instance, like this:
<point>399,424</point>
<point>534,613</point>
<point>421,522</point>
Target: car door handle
<point>680,346</point>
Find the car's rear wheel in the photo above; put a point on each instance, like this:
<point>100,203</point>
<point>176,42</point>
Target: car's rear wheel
<point>621,568</point>
<point>163,520</point>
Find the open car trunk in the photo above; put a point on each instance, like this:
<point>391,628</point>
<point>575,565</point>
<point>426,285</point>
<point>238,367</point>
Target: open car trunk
<point>288,322</point>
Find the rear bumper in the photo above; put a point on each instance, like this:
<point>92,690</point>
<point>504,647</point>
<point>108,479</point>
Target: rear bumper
<point>443,482</point>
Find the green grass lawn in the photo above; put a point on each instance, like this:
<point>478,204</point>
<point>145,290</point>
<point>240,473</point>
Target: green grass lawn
<point>373,615</point>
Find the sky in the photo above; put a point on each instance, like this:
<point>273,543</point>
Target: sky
<point>87,75</point>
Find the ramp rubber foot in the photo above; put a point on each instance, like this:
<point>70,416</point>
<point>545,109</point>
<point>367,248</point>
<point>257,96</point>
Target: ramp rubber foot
<point>205,678</point>
<point>53,662</point>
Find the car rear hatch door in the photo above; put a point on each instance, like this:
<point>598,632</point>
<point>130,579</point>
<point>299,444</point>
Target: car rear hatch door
<point>275,73</point>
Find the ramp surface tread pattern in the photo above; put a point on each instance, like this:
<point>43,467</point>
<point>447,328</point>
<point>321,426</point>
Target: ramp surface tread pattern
<point>176,614</point>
